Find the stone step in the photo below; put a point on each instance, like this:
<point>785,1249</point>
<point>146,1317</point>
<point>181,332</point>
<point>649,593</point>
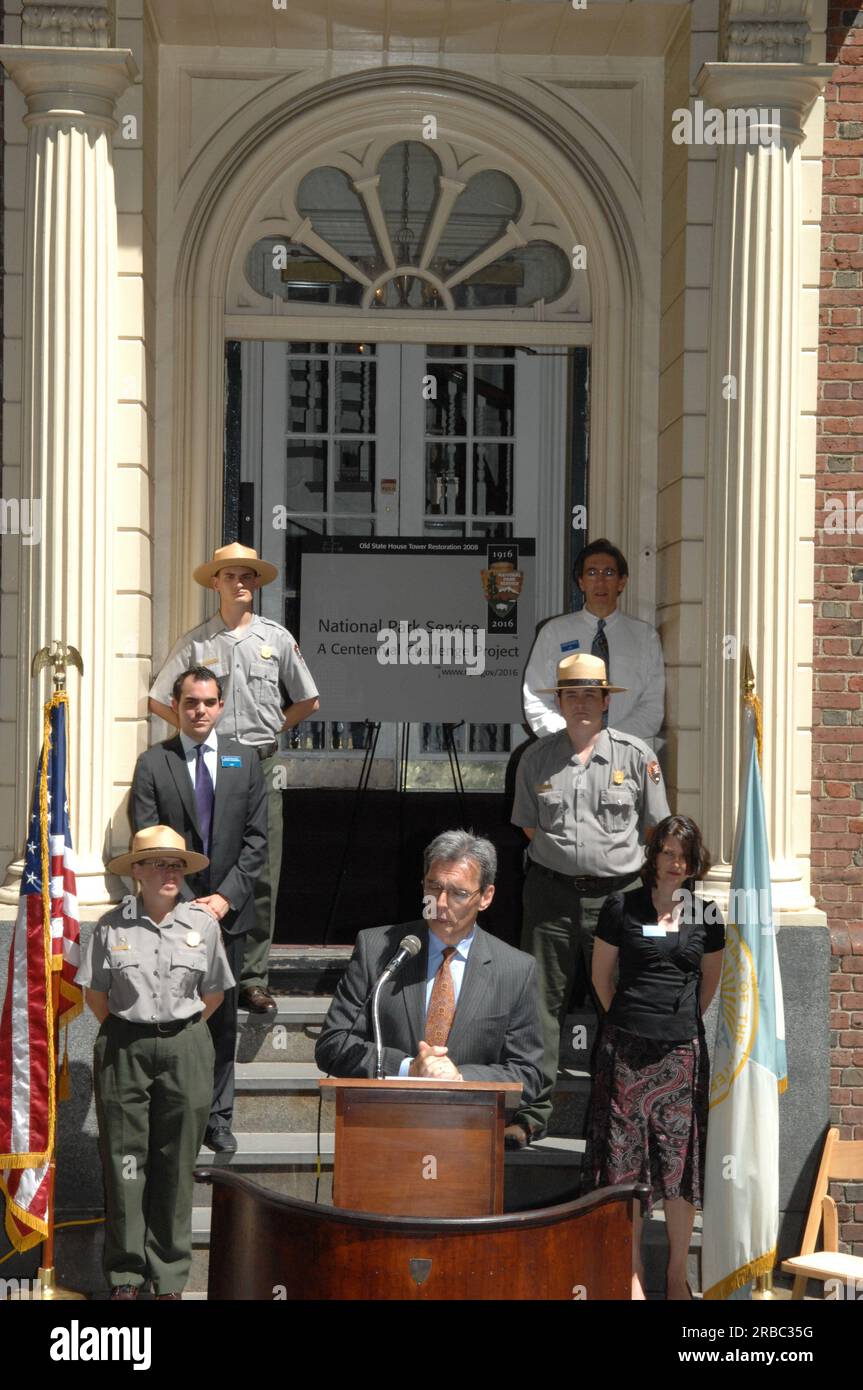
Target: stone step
<point>290,1077</point>
<point>266,1149</point>
<point>291,1034</point>
<point>307,969</point>
<point>545,1153</point>
<point>270,1111</point>
<point>287,1036</point>
<point>290,1180</point>
<point>274,1096</point>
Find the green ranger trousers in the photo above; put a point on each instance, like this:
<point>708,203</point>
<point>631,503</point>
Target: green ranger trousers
<point>152,1104</point>
<point>558,927</point>
<point>256,958</point>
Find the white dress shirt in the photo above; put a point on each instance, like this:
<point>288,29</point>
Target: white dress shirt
<point>635,657</point>
<point>211,754</point>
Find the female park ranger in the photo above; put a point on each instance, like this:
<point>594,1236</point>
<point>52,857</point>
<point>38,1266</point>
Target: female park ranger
<point>154,969</point>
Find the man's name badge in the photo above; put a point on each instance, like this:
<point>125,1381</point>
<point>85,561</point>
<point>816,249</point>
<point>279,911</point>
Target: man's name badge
<point>230,760</point>
<point>193,938</point>
<point>572,646</point>
<point>618,777</point>
<point>266,652</point>
<point>120,946</point>
<point>654,930</point>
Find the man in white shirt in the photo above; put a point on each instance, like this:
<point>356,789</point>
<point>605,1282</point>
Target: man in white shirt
<point>629,647</point>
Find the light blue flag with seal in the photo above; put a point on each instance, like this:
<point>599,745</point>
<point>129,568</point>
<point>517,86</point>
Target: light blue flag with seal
<point>741,1205</point>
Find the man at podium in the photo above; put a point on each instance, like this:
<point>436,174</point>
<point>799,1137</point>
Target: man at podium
<point>463,1008</point>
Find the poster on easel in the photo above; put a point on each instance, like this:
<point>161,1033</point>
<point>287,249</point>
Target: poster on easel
<point>415,628</point>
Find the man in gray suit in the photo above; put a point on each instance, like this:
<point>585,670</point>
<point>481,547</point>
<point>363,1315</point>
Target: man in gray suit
<point>464,1008</point>
<point>211,791</point>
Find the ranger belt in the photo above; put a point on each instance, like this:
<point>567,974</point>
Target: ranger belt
<point>155,1030</point>
<point>265,750</point>
<point>587,884</point>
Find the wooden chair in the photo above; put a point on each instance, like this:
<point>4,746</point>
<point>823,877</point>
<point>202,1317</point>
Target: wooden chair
<point>841,1161</point>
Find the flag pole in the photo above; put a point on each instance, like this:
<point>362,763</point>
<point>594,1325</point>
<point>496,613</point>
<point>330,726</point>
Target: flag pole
<point>763,1290</point>
<point>48,1288</point>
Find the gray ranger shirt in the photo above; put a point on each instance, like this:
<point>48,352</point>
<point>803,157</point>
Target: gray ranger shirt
<point>261,668</point>
<point>589,819</point>
<point>156,974</point>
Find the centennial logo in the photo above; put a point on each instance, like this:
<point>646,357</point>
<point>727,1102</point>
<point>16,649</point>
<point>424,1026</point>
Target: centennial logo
<point>502,583</point>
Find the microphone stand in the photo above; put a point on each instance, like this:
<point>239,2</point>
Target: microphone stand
<point>376,1025</point>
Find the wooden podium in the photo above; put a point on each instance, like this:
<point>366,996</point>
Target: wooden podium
<point>420,1148</point>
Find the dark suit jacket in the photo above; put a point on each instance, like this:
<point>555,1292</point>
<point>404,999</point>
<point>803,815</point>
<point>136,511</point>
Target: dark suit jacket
<point>495,1034</point>
<point>162,794</point>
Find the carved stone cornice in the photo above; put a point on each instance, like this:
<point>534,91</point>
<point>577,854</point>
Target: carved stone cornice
<point>765,31</point>
<point>65,25</point>
<point>790,88</point>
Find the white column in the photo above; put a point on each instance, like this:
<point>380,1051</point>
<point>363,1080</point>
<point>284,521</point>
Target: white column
<point>752,459</point>
<point>68,407</point>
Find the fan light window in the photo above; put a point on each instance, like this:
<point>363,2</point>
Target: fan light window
<point>409,237</point>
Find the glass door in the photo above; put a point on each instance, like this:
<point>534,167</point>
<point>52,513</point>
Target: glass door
<point>388,439</point>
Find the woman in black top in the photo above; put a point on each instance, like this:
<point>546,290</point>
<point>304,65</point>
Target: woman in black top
<point>647,1119</point>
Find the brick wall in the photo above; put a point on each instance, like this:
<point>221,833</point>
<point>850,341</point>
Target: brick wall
<point>837,735</point>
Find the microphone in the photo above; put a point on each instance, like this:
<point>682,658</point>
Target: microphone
<point>409,946</point>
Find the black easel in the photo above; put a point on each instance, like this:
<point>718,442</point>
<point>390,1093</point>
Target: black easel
<point>373,730</point>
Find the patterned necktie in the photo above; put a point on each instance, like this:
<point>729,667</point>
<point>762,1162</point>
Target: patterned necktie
<point>599,647</point>
<point>442,1003</point>
<point>204,797</point>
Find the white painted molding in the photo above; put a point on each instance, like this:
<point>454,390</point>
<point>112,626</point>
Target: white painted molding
<point>65,84</point>
<point>66,24</point>
<point>752,585</point>
<point>765,31</point>
<point>542,217</point>
<point>567,161</point>
<point>68,408</point>
<point>791,87</point>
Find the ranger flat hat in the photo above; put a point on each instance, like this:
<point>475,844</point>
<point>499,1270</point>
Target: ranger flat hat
<point>156,842</point>
<point>235,555</point>
<point>582,670</point>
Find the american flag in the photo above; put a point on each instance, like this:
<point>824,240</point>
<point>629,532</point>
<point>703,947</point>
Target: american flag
<point>45,940</point>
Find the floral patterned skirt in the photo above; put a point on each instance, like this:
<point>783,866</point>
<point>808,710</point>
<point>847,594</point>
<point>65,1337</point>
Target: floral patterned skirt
<point>647,1117</point>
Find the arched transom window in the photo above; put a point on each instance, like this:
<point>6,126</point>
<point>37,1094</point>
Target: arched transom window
<point>411,226</point>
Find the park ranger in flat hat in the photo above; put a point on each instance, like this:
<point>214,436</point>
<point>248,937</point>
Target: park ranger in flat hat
<point>153,970</point>
<point>586,798</point>
<point>267,688</point>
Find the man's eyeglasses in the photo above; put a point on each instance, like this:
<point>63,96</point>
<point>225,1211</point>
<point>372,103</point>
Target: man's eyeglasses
<point>165,865</point>
<point>607,573</point>
<point>458,895</point>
